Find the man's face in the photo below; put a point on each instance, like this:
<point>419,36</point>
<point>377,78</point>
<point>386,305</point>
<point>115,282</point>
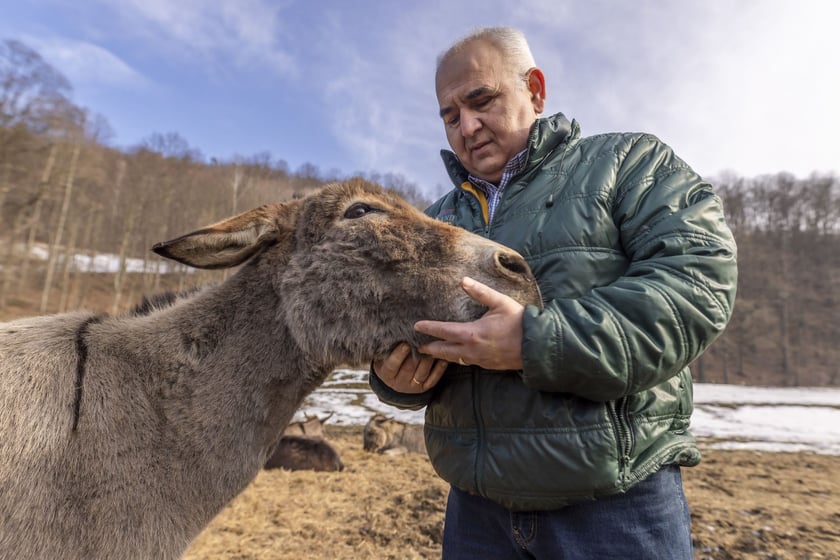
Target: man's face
<point>487,110</point>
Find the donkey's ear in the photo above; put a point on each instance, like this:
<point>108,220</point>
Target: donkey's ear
<point>234,240</point>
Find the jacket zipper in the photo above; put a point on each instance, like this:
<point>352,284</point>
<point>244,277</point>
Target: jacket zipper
<point>620,418</point>
<point>480,444</point>
<point>479,419</point>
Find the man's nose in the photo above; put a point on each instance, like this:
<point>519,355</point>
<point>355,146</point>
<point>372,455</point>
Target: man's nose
<point>470,123</point>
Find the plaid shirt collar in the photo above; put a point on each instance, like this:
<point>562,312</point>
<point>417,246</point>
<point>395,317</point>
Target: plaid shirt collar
<point>494,192</point>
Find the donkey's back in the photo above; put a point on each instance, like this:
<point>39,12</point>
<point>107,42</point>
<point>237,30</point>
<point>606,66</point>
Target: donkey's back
<point>38,370</point>
<point>39,366</point>
<point>95,489</point>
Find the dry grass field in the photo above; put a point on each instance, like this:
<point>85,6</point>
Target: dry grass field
<point>744,505</point>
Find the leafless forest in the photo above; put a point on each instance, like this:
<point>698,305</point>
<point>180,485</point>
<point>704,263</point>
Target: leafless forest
<point>64,191</point>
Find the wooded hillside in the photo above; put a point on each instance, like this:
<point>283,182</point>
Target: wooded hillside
<point>64,192</point>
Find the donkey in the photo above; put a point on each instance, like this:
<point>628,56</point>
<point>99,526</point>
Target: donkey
<point>312,426</point>
<point>391,437</point>
<point>304,446</point>
<point>301,453</point>
<point>122,437</point>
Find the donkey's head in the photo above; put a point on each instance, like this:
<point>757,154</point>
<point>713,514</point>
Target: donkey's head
<point>356,267</point>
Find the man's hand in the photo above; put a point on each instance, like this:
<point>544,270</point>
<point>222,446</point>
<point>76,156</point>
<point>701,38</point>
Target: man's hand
<point>493,342</point>
<point>404,372</point>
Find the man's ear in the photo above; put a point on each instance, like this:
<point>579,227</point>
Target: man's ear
<point>536,85</point>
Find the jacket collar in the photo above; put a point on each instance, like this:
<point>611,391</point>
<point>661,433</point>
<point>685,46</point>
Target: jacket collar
<point>546,134</point>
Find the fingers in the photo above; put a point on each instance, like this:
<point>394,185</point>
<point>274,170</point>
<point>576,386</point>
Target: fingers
<point>492,341</point>
<point>434,376</point>
<point>421,375</point>
<point>405,372</point>
<point>455,332</point>
<point>464,333</point>
<point>452,352</point>
<point>483,294</point>
<point>389,368</point>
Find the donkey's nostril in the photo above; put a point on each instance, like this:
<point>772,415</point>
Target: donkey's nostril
<point>515,269</point>
<point>512,262</point>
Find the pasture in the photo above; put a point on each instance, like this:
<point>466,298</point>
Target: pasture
<point>745,504</point>
<point>782,502</point>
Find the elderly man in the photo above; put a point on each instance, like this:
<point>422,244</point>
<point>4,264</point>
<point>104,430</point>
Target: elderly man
<point>562,430</point>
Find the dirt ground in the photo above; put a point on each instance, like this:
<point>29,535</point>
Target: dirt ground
<point>744,505</point>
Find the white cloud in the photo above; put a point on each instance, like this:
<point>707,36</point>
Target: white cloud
<point>741,85</point>
<point>379,95</point>
<point>746,85</point>
<point>246,32</point>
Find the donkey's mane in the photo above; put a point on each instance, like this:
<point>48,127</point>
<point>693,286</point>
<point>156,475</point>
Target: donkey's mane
<point>162,300</point>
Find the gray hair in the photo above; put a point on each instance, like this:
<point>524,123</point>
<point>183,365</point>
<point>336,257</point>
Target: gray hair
<point>510,41</point>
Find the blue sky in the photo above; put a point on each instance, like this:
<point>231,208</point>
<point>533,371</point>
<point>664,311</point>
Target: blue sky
<point>748,86</point>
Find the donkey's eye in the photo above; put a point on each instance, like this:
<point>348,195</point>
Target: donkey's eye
<point>358,210</point>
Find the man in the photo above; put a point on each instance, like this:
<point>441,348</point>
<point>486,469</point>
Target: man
<point>562,430</point>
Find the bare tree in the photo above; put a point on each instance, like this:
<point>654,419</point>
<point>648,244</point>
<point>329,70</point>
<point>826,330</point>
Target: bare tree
<point>31,93</point>
<point>34,220</point>
<point>59,228</point>
<point>134,209</point>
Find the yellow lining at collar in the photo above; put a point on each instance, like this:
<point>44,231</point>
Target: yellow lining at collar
<point>485,211</point>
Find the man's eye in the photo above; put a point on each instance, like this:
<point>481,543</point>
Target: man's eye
<point>358,210</point>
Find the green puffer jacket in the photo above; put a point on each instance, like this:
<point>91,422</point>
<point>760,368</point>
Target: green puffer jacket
<point>637,269</point>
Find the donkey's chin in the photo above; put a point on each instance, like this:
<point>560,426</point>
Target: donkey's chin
<point>464,311</point>
<point>469,311</point>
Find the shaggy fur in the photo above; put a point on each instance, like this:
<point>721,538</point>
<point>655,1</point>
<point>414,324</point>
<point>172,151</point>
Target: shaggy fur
<point>300,453</point>
<point>313,426</point>
<point>181,407</point>
<point>392,437</point>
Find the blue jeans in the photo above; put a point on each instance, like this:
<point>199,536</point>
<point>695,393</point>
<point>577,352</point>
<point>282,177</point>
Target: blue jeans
<point>649,522</point>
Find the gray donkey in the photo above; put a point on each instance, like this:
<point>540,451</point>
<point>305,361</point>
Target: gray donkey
<point>122,437</point>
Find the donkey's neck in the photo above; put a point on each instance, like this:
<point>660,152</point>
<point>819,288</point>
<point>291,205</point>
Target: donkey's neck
<point>232,377</point>
<point>197,394</point>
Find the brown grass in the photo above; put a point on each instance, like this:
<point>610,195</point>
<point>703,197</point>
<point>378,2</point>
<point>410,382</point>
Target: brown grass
<point>380,507</point>
<point>744,505</point>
